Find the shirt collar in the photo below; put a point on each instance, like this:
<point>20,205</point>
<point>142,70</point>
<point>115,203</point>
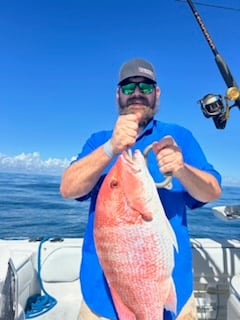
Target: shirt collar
<point>148,127</point>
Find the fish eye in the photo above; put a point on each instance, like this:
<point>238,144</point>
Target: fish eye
<point>113,184</point>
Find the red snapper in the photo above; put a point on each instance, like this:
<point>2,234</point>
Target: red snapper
<point>135,241</point>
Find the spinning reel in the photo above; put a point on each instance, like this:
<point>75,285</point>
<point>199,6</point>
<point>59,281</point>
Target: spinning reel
<point>213,106</point>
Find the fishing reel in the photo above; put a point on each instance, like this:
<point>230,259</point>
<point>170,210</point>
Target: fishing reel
<point>213,106</point>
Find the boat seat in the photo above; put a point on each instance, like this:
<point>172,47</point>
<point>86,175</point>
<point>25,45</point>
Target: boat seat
<point>61,265</point>
<point>60,269</point>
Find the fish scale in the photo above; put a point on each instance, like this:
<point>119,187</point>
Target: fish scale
<point>135,241</point>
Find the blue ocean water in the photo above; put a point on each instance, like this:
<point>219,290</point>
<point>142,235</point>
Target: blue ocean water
<point>31,206</point>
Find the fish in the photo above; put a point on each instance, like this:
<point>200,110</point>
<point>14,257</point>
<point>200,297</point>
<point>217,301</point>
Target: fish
<point>134,241</point>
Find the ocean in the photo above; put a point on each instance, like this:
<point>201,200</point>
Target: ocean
<point>31,206</point>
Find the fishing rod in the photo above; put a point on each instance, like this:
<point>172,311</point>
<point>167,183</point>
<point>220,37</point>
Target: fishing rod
<point>212,105</point>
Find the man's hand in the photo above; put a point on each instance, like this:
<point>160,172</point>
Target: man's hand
<point>125,132</point>
<point>169,155</point>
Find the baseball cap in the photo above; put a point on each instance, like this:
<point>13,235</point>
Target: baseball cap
<point>137,68</point>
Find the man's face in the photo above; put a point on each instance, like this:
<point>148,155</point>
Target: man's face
<point>138,99</point>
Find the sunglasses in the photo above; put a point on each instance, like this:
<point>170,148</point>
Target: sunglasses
<point>144,87</point>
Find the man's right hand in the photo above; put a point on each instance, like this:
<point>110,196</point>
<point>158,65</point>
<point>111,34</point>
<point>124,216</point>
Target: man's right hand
<point>125,132</point>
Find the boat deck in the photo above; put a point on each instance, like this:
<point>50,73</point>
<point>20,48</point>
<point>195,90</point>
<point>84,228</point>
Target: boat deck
<point>216,262</point>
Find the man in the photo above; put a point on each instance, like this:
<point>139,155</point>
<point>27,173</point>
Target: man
<point>195,182</point>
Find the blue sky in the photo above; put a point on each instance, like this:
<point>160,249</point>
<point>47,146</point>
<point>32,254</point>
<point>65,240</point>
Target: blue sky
<point>59,63</point>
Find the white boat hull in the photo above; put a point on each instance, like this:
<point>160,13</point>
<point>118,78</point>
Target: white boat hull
<point>216,262</point>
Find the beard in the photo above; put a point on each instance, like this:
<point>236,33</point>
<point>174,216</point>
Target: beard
<point>146,107</point>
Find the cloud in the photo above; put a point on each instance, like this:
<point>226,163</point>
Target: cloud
<point>32,163</point>
<point>230,181</point>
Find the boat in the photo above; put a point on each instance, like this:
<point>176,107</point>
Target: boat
<point>39,278</point>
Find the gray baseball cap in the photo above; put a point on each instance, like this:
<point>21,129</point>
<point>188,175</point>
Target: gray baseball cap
<point>137,68</point>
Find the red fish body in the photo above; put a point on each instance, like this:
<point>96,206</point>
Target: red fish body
<point>135,241</point>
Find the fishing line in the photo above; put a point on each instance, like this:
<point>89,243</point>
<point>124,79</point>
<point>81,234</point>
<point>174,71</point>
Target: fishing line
<point>212,5</point>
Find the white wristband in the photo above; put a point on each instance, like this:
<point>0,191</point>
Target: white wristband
<point>107,149</point>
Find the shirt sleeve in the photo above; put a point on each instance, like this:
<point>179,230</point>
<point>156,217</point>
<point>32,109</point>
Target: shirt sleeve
<point>194,155</point>
<point>95,141</point>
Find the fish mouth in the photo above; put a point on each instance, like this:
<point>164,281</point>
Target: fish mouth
<point>133,159</point>
<point>129,154</point>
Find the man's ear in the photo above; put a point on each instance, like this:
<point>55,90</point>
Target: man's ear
<point>117,93</point>
<point>158,92</point>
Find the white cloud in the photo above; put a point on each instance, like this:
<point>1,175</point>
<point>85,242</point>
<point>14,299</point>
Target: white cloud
<point>230,181</point>
<point>32,163</point>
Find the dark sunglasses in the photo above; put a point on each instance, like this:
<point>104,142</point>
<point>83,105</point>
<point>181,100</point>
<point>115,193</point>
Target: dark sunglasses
<point>144,87</point>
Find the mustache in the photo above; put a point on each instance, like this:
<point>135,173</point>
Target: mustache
<point>134,100</point>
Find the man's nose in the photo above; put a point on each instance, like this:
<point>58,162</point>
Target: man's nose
<point>137,91</point>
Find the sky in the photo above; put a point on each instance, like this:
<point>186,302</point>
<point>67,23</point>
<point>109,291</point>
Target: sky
<point>60,60</point>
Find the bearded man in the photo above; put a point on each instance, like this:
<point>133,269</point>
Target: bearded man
<point>194,183</point>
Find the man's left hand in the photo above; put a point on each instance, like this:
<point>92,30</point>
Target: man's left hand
<point>169,155</point>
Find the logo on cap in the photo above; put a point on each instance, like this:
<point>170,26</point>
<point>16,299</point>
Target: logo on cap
<point>146,71</point>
